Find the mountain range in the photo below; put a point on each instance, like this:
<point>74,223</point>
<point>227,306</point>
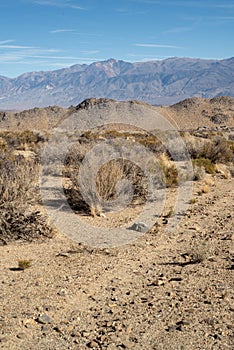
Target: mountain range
<point>161,82</point>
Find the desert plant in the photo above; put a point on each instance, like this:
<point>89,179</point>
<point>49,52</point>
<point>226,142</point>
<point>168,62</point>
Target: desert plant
<point>205,163</point>
<point>193,201</point>
<point>199,172</point>
<point>109,178</point>
<point>204,189</point>
<point>169,169</point>
<point>198,252</point>
<point>219,150</point>
<point>24,264</point>
<point>169,214</point>
<point>19,218</point>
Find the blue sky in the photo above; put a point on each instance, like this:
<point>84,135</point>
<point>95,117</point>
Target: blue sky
<point>40,35</point>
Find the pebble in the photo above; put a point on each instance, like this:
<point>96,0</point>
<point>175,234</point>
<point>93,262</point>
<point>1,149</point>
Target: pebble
<point>44,319</point>
<point>21,335</point>
<point>127,344</point>
<point>93,344</point>
<point>62,293</point>
<point>139,227</point>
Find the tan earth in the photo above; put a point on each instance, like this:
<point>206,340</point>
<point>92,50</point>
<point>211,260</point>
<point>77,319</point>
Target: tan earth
<point>191,113</point>
<point>165,291</point>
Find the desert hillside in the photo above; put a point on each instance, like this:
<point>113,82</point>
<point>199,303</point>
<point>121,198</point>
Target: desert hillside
<point>187,114</point>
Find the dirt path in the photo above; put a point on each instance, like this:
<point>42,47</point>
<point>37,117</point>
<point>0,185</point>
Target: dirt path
<point>165,291</point>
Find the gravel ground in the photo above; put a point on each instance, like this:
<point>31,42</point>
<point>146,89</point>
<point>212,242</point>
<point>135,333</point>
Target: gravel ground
<point>165,291</point>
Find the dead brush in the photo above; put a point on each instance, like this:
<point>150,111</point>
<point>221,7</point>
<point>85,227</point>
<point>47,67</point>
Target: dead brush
<point>24,264</point>
<point>198,252</point>
<point>203,189</point>
<point>19,218</point>
<point>169,169</point>
<point>107,188</point>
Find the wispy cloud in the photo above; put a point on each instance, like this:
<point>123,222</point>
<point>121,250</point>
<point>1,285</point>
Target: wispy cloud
<point>75,32</point>
<point>16,47</point>
<point>3,42</point>
<point>15,53</point>
<point>90,52</point>
<point>158,46</point>
<point>44,57</point>
<point>122,10</point>
<point>132,57</point>
<point>221,18</point>
<point>59,3</point>
<point>177,30</point>
<point>57,31</point>
<point>202,4</point>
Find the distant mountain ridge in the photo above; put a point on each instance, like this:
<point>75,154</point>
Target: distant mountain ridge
<point>161,82</point>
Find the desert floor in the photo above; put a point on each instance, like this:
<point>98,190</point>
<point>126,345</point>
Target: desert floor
<point>167,290</point>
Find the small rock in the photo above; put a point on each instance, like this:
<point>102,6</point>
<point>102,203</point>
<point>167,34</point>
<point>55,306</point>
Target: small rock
<point>127,344</point>
<point>140,227</point>
<point>44,319</point>
<point>21,335</point>
<point>112,347</point>
<point>45,329</point>
<point>93,344</point>
<point>3,339</point>
<point>62,293</point>
<point>59,330</point>
<point>85,334</point>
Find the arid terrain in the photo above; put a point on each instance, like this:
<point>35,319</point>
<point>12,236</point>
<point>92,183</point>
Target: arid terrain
<point>167,290</point>
<point>188,114</point>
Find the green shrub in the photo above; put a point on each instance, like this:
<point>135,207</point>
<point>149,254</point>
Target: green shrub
<point>205,163</point>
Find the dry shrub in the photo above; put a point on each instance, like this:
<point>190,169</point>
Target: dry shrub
<point>199,173</point>
<point>195,145</point>
<point>219,151</point>
<point>204,163</point>
<point>115,171</point>
<point>206,153</point>
<point>24,264</point>
<point>198,251</point>
<point>169,169</point>
<point>109,179</point>
<point>223,170</point>
<point>209,181</point>
<point>117,178</point>
<point>23,140</point>
<point>204,189</point>
<point>18,196</point>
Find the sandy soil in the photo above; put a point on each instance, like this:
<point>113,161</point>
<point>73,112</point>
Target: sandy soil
<point>165,291</point>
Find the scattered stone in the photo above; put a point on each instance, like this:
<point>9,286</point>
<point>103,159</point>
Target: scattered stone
<point>139,227</point>
<point>62,293</point>
<point>93,344</point>
<point>21,335</point>
<point>44,319</point>
<point>127,344</point>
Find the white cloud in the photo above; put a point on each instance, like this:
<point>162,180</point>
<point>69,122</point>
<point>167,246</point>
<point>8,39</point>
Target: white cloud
<point>16,47</point>
<point>57,31</point>
<point>202,4</point>
<point>90,52</point>
<point>3,42</point>
<point>177,30</point>
<point>58,3</point>
<point>158,46</point>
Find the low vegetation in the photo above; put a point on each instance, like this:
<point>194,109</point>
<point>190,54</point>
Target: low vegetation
<point>20,217</point>
<point>19,197</point>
